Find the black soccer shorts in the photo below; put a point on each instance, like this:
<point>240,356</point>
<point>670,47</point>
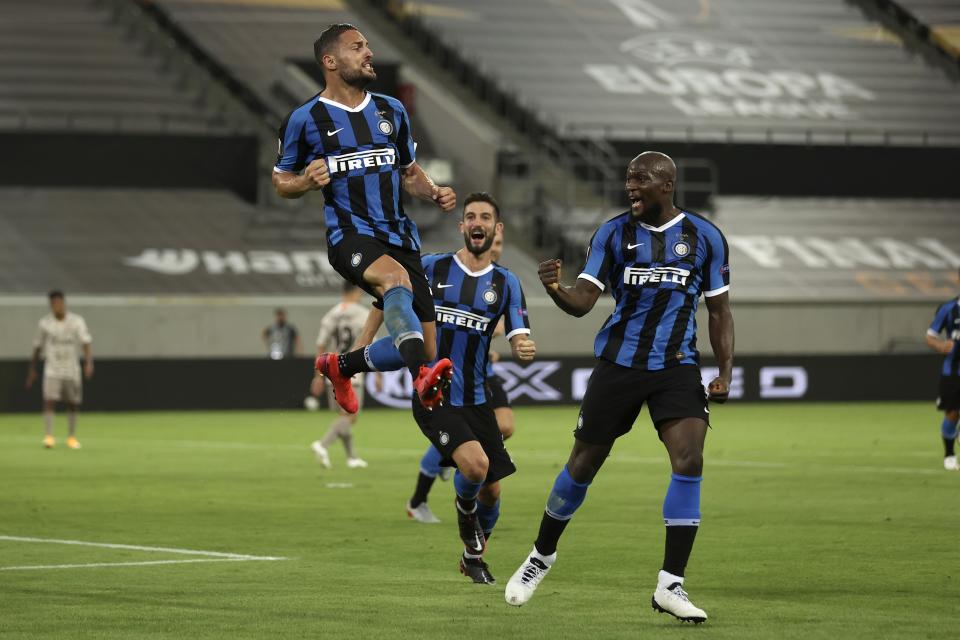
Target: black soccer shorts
<point>447,427</point>
<point>615,395</point>
<point>949,398</point>
<point>496,395</point>
<point>354,253</point>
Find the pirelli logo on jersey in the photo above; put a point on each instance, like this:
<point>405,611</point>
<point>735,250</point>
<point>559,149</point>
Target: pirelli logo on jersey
<point>639,276</point>
<point>361,160</point>
<point>462,318</point>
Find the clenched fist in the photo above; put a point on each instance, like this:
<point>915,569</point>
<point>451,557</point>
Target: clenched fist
<point>549,272</point>
<point>719,390</point>
<point>316,174</point>
<point>445,197</point>
<point>524,349</point>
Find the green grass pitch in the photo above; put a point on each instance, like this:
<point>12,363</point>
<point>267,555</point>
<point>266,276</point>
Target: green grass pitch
<point>820,521</point>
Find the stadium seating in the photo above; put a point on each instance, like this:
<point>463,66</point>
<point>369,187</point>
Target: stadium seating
<point>746,70</point>
<point>80,72</point>
<point>254,40</point>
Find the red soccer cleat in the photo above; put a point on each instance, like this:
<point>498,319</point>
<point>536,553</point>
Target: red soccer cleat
<point>328,365</point>
<point>432,382</point>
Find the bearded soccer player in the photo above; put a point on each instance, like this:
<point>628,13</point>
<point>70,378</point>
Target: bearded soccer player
<point>430,464</point>
<point>657,260</point>
<point>947,322</point>
<point>470,295</point>
<point>356,147</point>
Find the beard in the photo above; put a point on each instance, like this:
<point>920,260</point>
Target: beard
<point>357,78</point>
<point>651,212</point>
<point>483,248</point>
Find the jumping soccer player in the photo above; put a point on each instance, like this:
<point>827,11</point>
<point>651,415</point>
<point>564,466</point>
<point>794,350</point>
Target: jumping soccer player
<point>339,329</point>
<point>470,295</point>
<point>357,148</point>
<point>947,322</point>
<point>657,260</point>
<point>59,333</point>
<point>430,468</point>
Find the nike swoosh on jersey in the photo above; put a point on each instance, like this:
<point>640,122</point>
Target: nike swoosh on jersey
<point>335,132</point>
<point>443,286</point>
<point>634,246</point>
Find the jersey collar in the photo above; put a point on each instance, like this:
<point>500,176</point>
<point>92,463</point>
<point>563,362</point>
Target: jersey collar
<point>356,109</point>
<point>475,274</point>
<point>680,216</point>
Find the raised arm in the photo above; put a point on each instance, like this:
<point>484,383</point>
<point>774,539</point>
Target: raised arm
<point>417,183</point>
<point>721,339</point>
<point>576,300</point>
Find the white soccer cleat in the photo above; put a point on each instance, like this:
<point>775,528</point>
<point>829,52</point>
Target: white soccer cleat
<point>527,578</point>
<point>673,599</point>
<point>950,463</point>
<point>323,457</point>
<point>357,463</point>
<point>422,513</point>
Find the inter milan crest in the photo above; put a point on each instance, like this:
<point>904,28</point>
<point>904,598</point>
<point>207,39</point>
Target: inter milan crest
<point>681,249</point>
<point>490,296</point>
<point>355,259</point>
<point>385,127</point>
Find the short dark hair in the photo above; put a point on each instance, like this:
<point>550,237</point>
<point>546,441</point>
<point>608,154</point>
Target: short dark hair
<point>279,311</point>
<point>55,293</point>
<point>482,196</point>
<point>324,44</point>
<point>349,287</point>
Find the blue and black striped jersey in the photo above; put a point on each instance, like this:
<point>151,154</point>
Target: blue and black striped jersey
<point>656,276</point>
<point>366,148</point>
<point>947,322</point>
<point>469,305</point>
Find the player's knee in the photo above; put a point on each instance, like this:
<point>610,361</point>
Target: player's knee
<point>582,469</point>
<point>688,462</point>
<point>474,468</point>
<point>396,277</point>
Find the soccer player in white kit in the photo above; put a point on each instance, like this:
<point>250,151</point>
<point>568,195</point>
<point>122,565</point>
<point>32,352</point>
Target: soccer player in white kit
<point>339,330</point>
<point>59,334</point>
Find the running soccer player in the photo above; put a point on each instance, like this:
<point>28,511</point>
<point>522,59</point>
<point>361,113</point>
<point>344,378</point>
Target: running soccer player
<point>470,295</point>
<point>339,330</point>
<point>356,147</point>
<point>430,468</point>
<point>657,260</point>
<point>59,334</point>
<point>947,322</point>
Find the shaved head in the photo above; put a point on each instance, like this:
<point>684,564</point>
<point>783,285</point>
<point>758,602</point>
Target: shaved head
<point>659,164</point>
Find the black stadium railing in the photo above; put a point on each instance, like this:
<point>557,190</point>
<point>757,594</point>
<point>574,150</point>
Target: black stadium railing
<point>915,32</point>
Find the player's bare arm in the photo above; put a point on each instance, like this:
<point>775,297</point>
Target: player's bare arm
<point>87,362</point>
<point>32,371</point>
<point>294,185</point>
<point>370,328</point>
<point>576,300</point>
<point>523,347</point>
<point>417,183</point>
<point>939,345</point>
<point>721,339</point>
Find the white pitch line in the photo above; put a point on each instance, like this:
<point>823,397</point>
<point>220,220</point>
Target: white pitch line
<point>134,547</point>
<point>144,563</point>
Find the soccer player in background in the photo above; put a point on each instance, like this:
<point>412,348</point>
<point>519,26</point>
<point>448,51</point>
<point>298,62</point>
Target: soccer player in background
<point>339,330</point>
<point>281,338</point>
<point>656,260</point>
<point>59,334</point>
<point>947,322</point>
<point>470,295</point>
<point>356,147</point>
<point>430,467</point>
